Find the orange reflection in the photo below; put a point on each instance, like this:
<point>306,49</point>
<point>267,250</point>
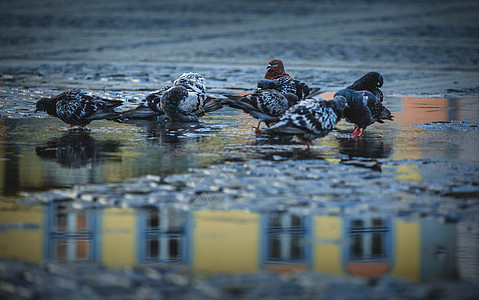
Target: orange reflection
<point>286,268</point>
<point>419,110</point>
<point>368,269</point>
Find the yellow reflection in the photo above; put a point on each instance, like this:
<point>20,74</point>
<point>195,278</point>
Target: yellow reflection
<point>408,173</point>
<point>408,250</point>
<point>226,241</point>
<point>21,234</point>
<point>327,250</point>
<point>118,237</point>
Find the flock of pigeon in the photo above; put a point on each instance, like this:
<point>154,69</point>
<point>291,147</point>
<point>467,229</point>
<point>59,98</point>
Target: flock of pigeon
<point>287,106</point>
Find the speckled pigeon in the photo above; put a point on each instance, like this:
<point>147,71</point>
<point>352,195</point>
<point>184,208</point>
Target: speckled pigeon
<point>310,119</point>
<point>150,107</point>
<point>371,82</point>
<point>77,108</point>
<point>363,109</point>
<point>265,105</point>
<point>183,105</point>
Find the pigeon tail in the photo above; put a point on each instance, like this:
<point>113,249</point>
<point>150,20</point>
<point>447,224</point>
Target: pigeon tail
<point>313,92</point>
<point>385,115</point>
<point>140,112</point>
<point>211,104</point>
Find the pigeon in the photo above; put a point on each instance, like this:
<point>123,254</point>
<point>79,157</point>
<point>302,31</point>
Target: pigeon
<point>276,78</point>
<point>184,105</point>
<point>265,105</point>
<point>275,70</point>
<point>151,108</point>
<point>371,82</point>
<point>310,119</point>
<point>78,109</point>
<point>363,109</point>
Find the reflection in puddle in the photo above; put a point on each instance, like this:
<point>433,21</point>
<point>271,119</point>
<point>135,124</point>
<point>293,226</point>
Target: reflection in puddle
<point>234,241</point>
<point>76,150</point>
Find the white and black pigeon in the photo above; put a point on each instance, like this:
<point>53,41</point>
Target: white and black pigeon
<point>288,85</point>
<point>363,109</point>
<point>185,105</point>
<point>265,105</point>
<point>151,107</point>
<point>371,82</point>
<point>77,108</point>
<point>310,119</point>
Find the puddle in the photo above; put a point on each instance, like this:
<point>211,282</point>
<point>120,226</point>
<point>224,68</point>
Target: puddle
<point>211,201</point>
<point>39,154</point>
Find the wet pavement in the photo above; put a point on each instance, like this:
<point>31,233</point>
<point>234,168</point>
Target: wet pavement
<point>209,210</point>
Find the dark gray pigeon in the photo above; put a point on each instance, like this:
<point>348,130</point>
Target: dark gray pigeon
<point>371,82</point>
<point>183,105</point>
<point>77,108</point>
<point>363,109</point>
<point>266,105</point>
<point>310,119</point>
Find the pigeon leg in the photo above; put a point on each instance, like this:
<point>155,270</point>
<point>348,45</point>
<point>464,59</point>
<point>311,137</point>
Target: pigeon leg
<point>257,127</point>
<point>361,132</point>
<point>308,144</point>
<point>356,130</point>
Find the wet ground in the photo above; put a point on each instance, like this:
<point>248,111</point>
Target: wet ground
<point>154,209</point>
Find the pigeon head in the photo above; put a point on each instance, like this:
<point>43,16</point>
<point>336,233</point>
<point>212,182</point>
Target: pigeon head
<point>275,69</point>
<point>47,105</point>
<point>370,81</point>
<point>174,95</point>
<point>275,64</point>
<point>347,93</point>
<point>339,104</point>
<point>380,80</point>
<point>193,81</point>
<point>41,104</point>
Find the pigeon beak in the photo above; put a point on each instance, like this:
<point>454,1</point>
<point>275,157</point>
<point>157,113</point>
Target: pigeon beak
<point>268,67</point>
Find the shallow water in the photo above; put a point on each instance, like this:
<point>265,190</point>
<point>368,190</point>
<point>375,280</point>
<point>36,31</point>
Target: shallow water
<point>40,153</point>
<point>401,201</point>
